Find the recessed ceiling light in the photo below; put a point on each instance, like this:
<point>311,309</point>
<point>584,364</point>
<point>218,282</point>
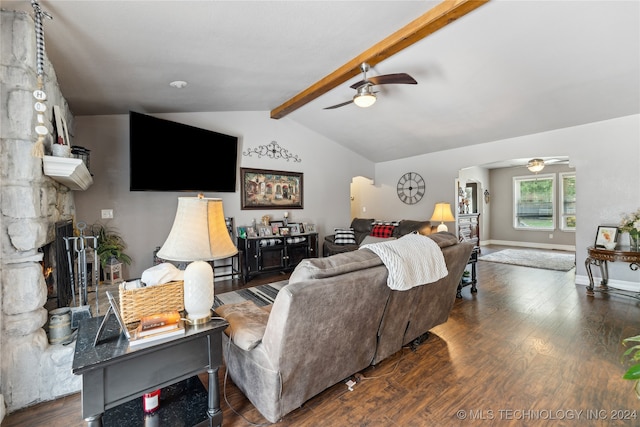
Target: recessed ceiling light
<point>178,84</point>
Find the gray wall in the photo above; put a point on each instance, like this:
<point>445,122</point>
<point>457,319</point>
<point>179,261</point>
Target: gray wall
<point>145,218</point>
<point>501,182</point>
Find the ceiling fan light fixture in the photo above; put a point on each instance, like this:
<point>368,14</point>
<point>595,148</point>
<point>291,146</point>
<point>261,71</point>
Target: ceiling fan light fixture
<point>535,165</point>
<point>364,98</point>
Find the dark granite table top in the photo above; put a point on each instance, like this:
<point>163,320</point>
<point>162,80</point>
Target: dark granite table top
<point>113,346</point>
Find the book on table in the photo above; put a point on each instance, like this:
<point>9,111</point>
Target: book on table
<point>159,320</point>
<point>157,335</point>
<point>157,328</point>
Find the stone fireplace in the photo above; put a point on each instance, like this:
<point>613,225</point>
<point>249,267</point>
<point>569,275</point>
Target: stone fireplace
<point>31,204</point>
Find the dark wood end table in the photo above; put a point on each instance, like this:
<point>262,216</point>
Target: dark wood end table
<point>473,260</point>
<point>600,257</point>
<point>112,373</point>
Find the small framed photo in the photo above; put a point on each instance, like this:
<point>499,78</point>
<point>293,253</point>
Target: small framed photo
<point>294,229</point>
<point>265,231</point>
<point>309,228</point>
<point>607,236</point>
<point>275,227</point>
<point>251,232</point>
<point>284,231</point>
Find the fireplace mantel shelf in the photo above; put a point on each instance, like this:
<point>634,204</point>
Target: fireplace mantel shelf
<point>71,172</point>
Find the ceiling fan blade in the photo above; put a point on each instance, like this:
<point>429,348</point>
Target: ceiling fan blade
<point>384,79</point>
<point>338,105</point>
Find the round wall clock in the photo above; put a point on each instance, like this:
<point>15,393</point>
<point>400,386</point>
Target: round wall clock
<point>411,188</point>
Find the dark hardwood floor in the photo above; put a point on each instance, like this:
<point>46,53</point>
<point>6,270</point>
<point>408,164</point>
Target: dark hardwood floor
<point>530,348</point>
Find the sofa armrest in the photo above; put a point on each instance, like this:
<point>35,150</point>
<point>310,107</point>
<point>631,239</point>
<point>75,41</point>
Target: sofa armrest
<point>330,238</point>
<point>330,248</point>
<point>247,323</point>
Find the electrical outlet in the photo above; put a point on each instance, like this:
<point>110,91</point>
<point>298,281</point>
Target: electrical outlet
<point>551,235</point>
<point>107,213</point>
<point>364,209</point>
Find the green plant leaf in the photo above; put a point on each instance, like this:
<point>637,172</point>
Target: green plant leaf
<point>631,339</point>
<point>633,373</point>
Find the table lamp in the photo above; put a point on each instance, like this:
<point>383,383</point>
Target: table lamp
<point>442,213</point>
<point>199,234</point>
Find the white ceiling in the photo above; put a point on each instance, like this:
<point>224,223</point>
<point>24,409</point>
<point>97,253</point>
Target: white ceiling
<point>507,69</point>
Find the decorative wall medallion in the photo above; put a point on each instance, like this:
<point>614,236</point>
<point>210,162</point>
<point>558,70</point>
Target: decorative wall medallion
<point>411,188</point>
<point>273,151</point>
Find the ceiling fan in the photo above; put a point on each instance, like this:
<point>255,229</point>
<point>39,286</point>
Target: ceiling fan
<point>365,96</point>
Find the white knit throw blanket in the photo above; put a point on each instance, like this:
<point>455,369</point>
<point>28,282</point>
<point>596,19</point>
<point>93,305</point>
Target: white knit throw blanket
<point>411,260</point>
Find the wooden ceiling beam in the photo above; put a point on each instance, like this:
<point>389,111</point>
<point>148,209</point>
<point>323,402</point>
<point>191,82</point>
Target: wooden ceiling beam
<point>437,17</point>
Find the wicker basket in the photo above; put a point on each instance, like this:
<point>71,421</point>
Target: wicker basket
<point>138,302</point>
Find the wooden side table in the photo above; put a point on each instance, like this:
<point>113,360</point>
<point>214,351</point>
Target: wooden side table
<point>473,260</point>
<point>600,257</point>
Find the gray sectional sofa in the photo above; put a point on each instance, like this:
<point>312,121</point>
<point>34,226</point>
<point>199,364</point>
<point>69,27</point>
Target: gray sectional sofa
<point>333,318</point>
<point>362,228</point>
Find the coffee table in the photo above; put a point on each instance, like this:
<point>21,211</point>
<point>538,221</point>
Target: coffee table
<point>113,374</point>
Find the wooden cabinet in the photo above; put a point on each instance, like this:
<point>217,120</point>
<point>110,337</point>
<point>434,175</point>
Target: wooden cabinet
<point>469,228</point>
<point>276,253</point>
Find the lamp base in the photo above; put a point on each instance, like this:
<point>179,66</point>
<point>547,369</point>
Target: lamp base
<point>198,320</point>
<point>443,227</point>
<point>198,292</point>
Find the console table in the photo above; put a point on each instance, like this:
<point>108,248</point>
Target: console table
<point>113,374</point>
<point>275,253</point>
<point>600,257</point>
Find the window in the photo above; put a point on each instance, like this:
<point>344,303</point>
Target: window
<point>534,202</point>
<point>568,201</point>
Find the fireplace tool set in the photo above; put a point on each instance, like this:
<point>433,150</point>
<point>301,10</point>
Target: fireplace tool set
<point>77,248</point>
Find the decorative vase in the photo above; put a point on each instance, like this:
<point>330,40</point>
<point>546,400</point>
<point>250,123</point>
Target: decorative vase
<point>634,242</point>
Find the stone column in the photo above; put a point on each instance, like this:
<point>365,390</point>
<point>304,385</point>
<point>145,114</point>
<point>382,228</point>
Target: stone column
<point>31,370</point>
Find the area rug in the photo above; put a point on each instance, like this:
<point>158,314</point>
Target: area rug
<point>261,295</point>
<point>532,258</point>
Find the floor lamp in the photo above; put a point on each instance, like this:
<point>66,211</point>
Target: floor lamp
<point>199,234</point>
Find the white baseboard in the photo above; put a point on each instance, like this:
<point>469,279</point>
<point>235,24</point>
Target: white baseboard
<point>619,284</point>
<point>571,248</point>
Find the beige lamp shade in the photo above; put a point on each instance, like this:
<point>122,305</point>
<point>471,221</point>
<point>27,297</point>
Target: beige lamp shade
<point>442,213</point>
<point>199,232</point>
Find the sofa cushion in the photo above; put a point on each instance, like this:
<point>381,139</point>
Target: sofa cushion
<point>407,226</point>
<point>361,227</point>
<point>344,236</point>
<point>373,239</point>
<point>320,268</point>
<point>444,238</point>
<point>383,222</point>
<point>247,323</point>
<point>383,231</point>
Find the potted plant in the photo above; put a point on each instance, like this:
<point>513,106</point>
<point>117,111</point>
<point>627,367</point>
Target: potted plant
<point>633,353</point>
<point>111,245</point>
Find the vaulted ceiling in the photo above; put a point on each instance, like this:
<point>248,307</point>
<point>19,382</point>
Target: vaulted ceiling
<point>504,69</point>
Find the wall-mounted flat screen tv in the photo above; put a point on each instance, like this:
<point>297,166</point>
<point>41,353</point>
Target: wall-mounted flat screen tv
<point>171,156</point>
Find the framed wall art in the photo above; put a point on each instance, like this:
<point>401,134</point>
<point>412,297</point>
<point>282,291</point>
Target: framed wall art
<point>269,189</point>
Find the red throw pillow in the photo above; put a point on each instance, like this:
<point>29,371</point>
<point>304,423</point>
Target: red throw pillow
<point>383,231</point>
